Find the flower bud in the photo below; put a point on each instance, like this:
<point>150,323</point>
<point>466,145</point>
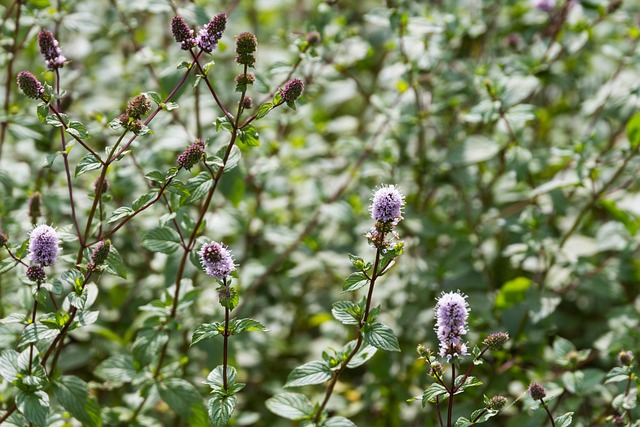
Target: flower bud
<point>313,38</point>
<point>436,370</point>
<point>246,44</point>
<point>192,155</point>
<point>247,103</point>
<point>105,185</point>
<point>625,358</point>
<point>138,107</point>
<point>36,273</point>
<point>183,33</point>
<point>50,50</point>
<point>29,85</point>
<point>292,90</point>
<point>495,341</point>
<point>423,352</point>
<point>211,34</point>
<point>243,80</point>
<point>537,391</point>
<point>3,238</point>
<point>496,402</point>
<point>100,253</point>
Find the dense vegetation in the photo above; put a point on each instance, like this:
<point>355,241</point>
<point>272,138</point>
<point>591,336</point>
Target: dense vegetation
<point>506,133</point>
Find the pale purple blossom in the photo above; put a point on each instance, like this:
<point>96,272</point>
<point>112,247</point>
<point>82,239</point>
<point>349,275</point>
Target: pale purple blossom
<point>43,245</point>
<point>50,50</point>
<point>387,203</point>
<point>451,315</point>
<point>211,34</point>
<point>217,260</point>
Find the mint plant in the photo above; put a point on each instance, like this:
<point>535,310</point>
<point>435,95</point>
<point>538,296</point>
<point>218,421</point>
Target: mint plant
<point>371,335</point>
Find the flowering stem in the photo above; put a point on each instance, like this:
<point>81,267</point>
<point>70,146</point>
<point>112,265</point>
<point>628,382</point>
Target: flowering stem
<point>546,408</point>
<point>225,348</point>
<point>363,320</point>
<point>468,372</point>
<point>7,83</point>
<point>438,411</point>
<point>33,320</point>
<point>451,394</point>
<point>211,89</point>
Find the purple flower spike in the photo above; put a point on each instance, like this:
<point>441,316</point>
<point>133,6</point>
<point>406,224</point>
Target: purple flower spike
<point>211,34</point>
<point>387,203</point>
<point>217,260</point>
<point>292,90</point>
<point>50,50</point>
<point>192,155</point>
<point>29,85</point>
<point>43,245</point>
<point>183,33</point>
<point>451,315</point>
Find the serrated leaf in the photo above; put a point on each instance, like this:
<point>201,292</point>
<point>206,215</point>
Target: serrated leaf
<point>315,372</point>
<point>293,406</point>
<point>237,326</point>
<point>433,392</point>
<point>118,214</point>
<point>562,347</point>
<point>214,379</point>
<point>363,355</point>
<point>54,121</point>
<point>34,405</point>
<point>198,187</point>
<point>171,106</point>
<point>232,160</point>
<point>264,110</point>
<point>618,374</point>
<point>337,422</point>
<point>346,312</point>
<point>207,331</point>
<point>154,97</point>
<point>9,366</point>
<point>463,422</point>
<point>249,135</point>
<point>78,130</point>
<point>482,415</point>
<point>88,163</point>
<point>43,111</point>
<point>354,282</point>
<point>564,420</point>
<point>155,176</point>
<point>184,399</point>
<point>36,332</point>
<point>380,336</point>
<point>220,409</point>
<point>148,344</point>
<point>142,200</point>
<point>115,265</point>
<point>73,395</point>
<point>118,369</point>
<point>162,239</point>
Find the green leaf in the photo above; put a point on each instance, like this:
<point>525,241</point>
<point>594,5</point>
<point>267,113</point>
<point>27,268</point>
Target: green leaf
<point>118,214</point>
<point>237,326</point>
<point>346,312</point>
<point>197,187</point>
<point>117,369</point>
<point>433,392</point>
<point>184,399</point>
<point>468,382</point>
<point>264,110</point>
<point>115,265</point>
<point>633,130</point>
<point>618,374</point>
<point>171,106</point>
<point>293,406</point>
<point>142,200</point>
<point>161,239</point>
<point>154,97</point>
<point>36,332</point>
<point>155,176</point>
<point>207,331</point>
<point>315,372</point>
<point>354,282</point>
<point>78,130</point>
<point>249,135</point>
<point>73,395</point>
<point>482,415</point>
<point>463,422</point>
<point>512,292</point>
<point>48,160</point>
<point>564,420</point>
<point>43,111</point>
<point>363,355</point>
<point>337,422</point>
<point>54,121</point>
<point>562,347</point>
<point>148,344</point>
<point>88,163</point>
<point>220,409</point>
<point>34,405</point>
<point>9,366</point>
<point>380,336</point>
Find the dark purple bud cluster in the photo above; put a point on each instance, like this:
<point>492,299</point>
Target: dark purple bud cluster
<point>625,358</point>
<point>292,90</point>
<point>138,107</point>
<point>50,50</point>
<point>29,85</point>
<point>192,155</point>
<point>247,103</point>
<point>246,45</point>
<point>131,124</point>
<point>537,391</point>
<point>244,80</point>
<point>495,341</point>
<point>183,33</point>
<point>105,185</point>
<point>496,402</point>
<point>3,238</point>
<point>313,38</point>
<point>211,34</point>
<point>100,254</point>
<point>36,273</point>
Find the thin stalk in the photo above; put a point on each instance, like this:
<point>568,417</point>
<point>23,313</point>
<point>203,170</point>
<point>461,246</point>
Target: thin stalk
<point>225,349</point>
<point>439,412</point>
<point>451,394</point>
<point>9,79</point>
<point>336,374</point>
<point>33,321</point>
<point>546,408</point>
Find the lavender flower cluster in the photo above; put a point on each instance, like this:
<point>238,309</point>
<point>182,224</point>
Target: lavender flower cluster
<point>386,209</point>
<point>43,245</point>
<point>50,50</point>
<point>451,315</point>
<point>217,260</point>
